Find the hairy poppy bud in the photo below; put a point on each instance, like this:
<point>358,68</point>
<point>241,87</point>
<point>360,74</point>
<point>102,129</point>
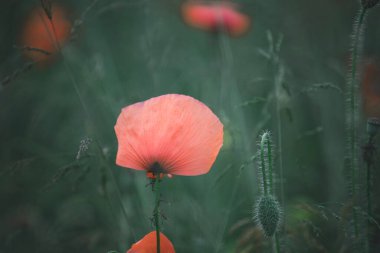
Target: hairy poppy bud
<point>267,214</point>
<point>369,3</point>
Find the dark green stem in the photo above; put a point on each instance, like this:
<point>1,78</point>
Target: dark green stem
<point>277,243</point>
<point>156,212</point>
<point>270,165</point>
<point>263,162</point>
<point>369,203</point>
<point>353,113</point>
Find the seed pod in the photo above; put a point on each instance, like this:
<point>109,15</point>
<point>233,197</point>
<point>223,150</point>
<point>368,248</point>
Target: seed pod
<point>367,4</point>
<point>267,214</point>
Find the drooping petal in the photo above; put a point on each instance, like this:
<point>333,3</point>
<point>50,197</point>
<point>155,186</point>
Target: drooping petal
<point>199,16</point>
<point>236,23</point>
<point>178,132</point>
<point>148,244</point>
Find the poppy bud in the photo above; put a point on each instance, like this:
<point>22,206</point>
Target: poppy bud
<point>367,4</point>
<point>267,214</point>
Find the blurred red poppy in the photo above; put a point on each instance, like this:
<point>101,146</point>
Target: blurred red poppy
<point>38,33</point>
<point>148,244</point>
<point>370,87</point>
<point>170,134</point>
<point>217,16</point>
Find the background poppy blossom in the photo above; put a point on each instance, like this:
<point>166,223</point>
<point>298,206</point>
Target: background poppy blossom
<point>173,134</point>
<point>215,16</point>
<point>38,32</point>
<point>148,244</point>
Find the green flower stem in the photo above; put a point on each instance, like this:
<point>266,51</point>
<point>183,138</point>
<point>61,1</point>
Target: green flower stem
<point>271,190</point>
<point>156,212</point>
<point>353,113</point>
<point>270,165</point>
<point>266,148</point>
<point>263,165</point>
<point>277,243</point>
<point>369,203</point>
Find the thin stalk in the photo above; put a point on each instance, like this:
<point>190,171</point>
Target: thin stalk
<point>276,243</point>
<point>369,204</point>
<point>271,190</point>
<point>280,160</point>
<point>262,157</point>
<point>353,113</point>
<point>156,212</point>
<point>270,165</point>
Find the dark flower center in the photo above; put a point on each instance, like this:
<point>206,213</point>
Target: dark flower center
<point>156,169</point>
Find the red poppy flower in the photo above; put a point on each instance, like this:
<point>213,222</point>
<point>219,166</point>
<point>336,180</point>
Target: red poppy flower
<point>371,89</point>
<point>170,134</point>
<point>148,244</point>
<point>215,16</point>
<point>38,32</point>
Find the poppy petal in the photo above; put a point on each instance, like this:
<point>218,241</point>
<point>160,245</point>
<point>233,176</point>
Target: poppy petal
<point>148,244</point>
<point>38,32</point>
<point>211,17</point>
<point>236,23</point>
<point>178,132</point>
<point>199,16</point>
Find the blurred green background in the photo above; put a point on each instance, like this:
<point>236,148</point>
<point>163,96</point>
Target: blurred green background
<point>287,75</point>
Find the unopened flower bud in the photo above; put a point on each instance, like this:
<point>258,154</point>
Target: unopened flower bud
<point>267,214</point>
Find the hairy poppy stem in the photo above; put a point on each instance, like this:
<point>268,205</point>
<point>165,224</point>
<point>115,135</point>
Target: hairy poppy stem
<point>156,212</point>
<point>267,210</point>
<point>267,140</point>
<point>263,162</point>
<point>353,113</point>
<point>276,240</point>
<point>270,165</point>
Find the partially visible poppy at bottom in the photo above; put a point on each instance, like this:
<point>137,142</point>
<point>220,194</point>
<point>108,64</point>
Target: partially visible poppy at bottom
<point>171,134</point>
<point>370,87</point>
<point>38,32</point>
<point>213,17</point>
<point>148,244</point>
